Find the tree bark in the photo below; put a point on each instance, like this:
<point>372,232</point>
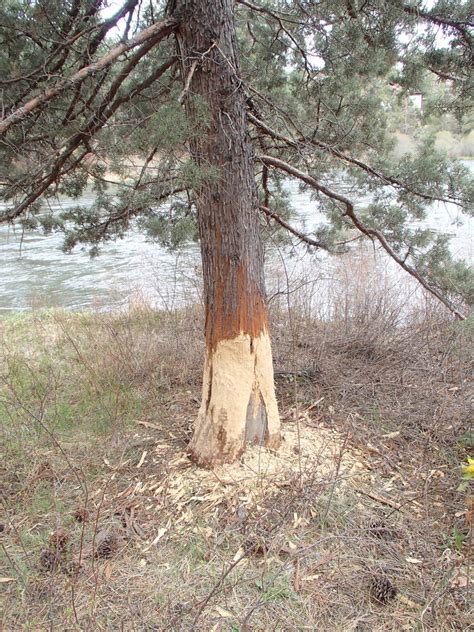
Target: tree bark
<point>238,400</point>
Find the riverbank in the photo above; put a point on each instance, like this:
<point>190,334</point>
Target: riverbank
<point>109,526</point>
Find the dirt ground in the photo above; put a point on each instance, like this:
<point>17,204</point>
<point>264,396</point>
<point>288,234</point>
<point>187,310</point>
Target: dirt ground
<point>360,521</point>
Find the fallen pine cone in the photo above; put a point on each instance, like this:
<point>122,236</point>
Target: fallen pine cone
<point>58,542</point>
<point>378,529</point>
<point>107,544</point>
<point>382,589</point>
<point>80,515</point>
<point>54,556</point>
<point>48,560</point>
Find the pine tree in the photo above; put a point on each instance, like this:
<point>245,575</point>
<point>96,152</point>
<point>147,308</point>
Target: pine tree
<point>217,101</point>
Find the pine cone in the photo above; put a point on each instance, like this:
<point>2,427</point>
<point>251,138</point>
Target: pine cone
<point>80,515</point>
<point>255,545</point>
<point>58,542</point>
<point>48,560</point>
<point>378,529</point>
<point>382,589</point>
<point>107,544</point>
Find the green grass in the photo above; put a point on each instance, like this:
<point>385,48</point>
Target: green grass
<point>276,589</point>
<point>51,383</point>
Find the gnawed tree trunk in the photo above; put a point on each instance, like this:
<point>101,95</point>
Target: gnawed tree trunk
<point>238,402</point>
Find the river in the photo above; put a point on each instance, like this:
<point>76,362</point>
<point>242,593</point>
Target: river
<point>35,273</point>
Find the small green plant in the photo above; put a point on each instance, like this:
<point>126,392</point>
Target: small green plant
<point>375,412</point>
<point>458,539</point>
<point>277,590</point>
<point>467,440</point>
<point>41,500</point>
<point>194,548</point>
<point>159,598</point>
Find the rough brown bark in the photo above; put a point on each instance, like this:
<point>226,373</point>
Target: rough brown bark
<point>238,396</point>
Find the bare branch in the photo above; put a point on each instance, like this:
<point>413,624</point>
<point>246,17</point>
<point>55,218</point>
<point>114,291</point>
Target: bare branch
<point>307,240</point>
<point>188,81</point>
<point>369,232</point>
<point>301,236</point>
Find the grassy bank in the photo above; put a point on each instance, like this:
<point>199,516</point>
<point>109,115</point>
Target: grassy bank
<point>108,526</point>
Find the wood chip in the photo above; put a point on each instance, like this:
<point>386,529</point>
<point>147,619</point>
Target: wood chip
<point>127,491</point>
<point>108,571</point>
<point>239,554</point>
<point>147,424</point>
<point>223,613</point>
<point>161,533</point>
<point>142,458</point>
<point>296,575</point>
<point>311,578</point>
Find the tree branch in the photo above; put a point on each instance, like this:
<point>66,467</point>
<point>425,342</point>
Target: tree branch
<point>96,123</point>
<point>388,180</point>
<point>64,47</point>
<point>126,214</point>
<point>307,240</point>
<point>273,14</point>
<point>460,26</point>
<point>369,232</point>
<point>157,31</point>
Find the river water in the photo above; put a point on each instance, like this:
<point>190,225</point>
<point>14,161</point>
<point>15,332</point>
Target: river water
<point>35,273</point>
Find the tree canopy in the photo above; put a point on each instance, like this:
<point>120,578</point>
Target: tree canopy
<point>97,100</point>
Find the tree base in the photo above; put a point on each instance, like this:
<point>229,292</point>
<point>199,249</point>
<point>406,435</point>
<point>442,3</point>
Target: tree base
<point>238,401</point>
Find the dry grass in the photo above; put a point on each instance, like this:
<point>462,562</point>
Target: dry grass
<point>376,420</point>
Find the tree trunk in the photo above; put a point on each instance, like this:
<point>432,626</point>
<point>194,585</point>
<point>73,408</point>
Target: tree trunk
<point>238,400</point>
